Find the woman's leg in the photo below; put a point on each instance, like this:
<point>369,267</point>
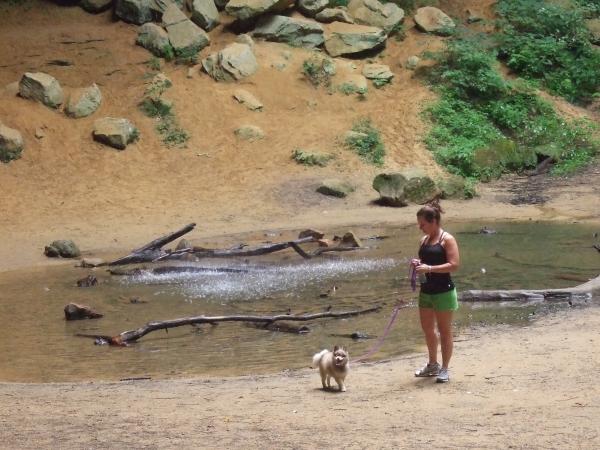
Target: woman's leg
<point>427,316</point>
<point>444,323</point>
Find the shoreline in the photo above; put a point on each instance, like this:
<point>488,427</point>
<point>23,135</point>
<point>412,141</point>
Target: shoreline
<point>509,387</point>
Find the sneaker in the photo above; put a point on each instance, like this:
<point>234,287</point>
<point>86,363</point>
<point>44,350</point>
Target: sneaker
<point>443,376</point>
<point>430,370</point>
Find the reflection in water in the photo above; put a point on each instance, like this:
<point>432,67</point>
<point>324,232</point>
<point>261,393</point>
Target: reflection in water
<point>37,344</point>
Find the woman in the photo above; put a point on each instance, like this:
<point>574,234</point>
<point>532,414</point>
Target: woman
<point>438,257</point>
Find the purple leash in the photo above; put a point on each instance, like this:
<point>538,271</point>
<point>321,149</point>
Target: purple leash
<point>386,331</point>
<point>412,274</point>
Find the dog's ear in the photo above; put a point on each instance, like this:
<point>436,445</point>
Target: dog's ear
<point>335,348</point>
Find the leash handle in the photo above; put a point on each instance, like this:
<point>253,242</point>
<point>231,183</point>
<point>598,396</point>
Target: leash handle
<point>401,304</point>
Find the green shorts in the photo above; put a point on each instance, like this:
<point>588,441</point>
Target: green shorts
<point>446,301</point>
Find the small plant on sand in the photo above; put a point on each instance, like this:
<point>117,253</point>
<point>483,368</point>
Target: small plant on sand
<point>154,63</point>
<point>311,159</point>
<point>366,141</point>
<point>318,70</point>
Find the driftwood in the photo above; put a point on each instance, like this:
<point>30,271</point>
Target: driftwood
<point>152,250</point>
<point>173,269</point>
<point>128,337</point>
<point>580,292</point>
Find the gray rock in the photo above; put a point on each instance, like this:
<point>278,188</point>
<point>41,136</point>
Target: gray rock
<point>412,62</point>
<point>335,188</point>
<point>246,9</point>
<point>338,14</point>
<point>115,132</point>
<point>172,15</point>
<point>155,39</point>
<point>64,247</point>
<point>245,39</point>
<point>11,144</point>
<point>391,188</point>
<point>379,72</point>
<point>371,12</point>
<point>234,62</point>
<point>348,39</point>
<point>353,83</point>
<point>84,101</point>
<point>187,38</point>
<point>421,190</point>
<point>183,244</point>
<point>134,11</point>
<point>95,6</point>
<point>41,87</point>
<point>309,232</point>
<point>249,133</point>
<point>204,14</point>
<point>311,7</point>
<point>294,32</point>
<point>248,100</point>
<point>433,20</point>
<point>594,27</point>
<point>453,187</point>
<point>349,239</point>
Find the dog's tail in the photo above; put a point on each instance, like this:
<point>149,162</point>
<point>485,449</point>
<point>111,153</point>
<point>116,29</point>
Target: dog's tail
<point>317,358</point>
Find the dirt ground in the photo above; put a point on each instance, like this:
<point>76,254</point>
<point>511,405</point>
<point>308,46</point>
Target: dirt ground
<point>533,387</point>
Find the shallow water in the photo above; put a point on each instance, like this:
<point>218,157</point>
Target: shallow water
<point>37,344</point>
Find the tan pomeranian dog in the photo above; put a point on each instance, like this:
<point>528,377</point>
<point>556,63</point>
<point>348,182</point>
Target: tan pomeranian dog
<point>335,364</point>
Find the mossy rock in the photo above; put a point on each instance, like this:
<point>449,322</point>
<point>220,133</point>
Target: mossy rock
<point>64,248</point>
<point>421,190</point>
<point>454,187</point>
<point>391,188</point>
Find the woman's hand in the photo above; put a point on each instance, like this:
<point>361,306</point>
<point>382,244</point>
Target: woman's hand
<point>415,262</point>
<point>423,268</point>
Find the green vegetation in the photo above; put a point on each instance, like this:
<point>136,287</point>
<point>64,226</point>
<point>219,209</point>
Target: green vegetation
<point>351,88</point>
<point>153,105</point>
<point>484,125</point>
<point>154,64</point>
<point>318,70</point>
<point>311,159</point>
<point>549,42</point>
<point>366,141</point>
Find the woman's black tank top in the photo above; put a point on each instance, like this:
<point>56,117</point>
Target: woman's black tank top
<point>434,255</point>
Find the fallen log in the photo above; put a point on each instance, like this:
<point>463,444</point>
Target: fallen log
<point>580,292</point>
<point>128,337</point>
<point>152,250</point>
<point>239,251</point>
<point>174,269</point>
<point>321,250</point>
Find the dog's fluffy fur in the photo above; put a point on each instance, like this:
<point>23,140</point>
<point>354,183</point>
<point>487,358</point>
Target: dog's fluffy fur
<point>332,364</point>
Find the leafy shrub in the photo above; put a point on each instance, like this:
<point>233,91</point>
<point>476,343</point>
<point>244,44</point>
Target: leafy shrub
<point>318,70</point>
<point>550,42</point>
<point>156,107</point>
<point>484,126</point>
<point>366,141</point>
<point>311,159</point>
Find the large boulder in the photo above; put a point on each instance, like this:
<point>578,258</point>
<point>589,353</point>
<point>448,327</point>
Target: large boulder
<point>62,247</point>
<point>204,13</point>
<point>391,188</point>
<point>335,188</point>
<point>247,9</point>
<point>371,12</point>
<point>294,32</point>
<point>134,11</point>
<point>311,7</point>
<point>11,144</point>
<point>155,39</point>
<point>349,39</point>
<point>421,190</point>
<point>187,38</point>
<point>338,14</point>
<point>95,6</point>
<point>172,15</point>
<point>433,20</point>
<point>234,62</point>
<point>594,27</point>
<point>115,132</point>
<point>83,101</point>
<point>41,87</point>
